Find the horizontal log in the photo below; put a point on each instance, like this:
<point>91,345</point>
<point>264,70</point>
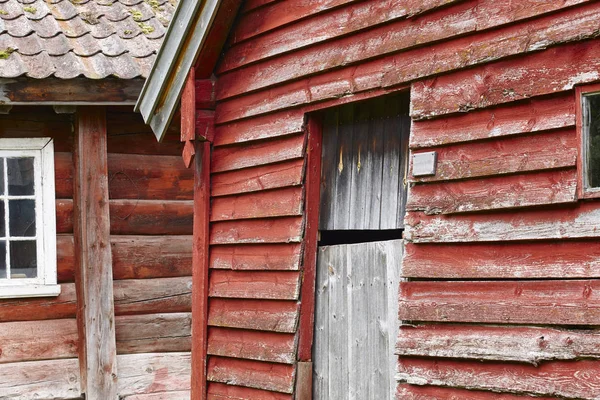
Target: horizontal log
<point>273,285</point>
<point>51,379</point>
<point>251,155</point>
<point>567,302</point>
<point>270,203</point>
<point>273,316</point>
<point>555,149</point>
<point>412,392</point>
<point>38,121</point>
<point>35,340</point>
<point>549,259</point>
<point>153,372</point>
<point>570,379</point>
<point>221,391</point>
<point>275,230</point>
<point>256,257</point>
<point>269,126</point>
<point>254,374</point>
<point>272,176</point>
<point>154,333</point>
<point>41,308</point>
<point>523,190</point>
<point>137,217</point>
<point>153,296</point>
<point>317,29</point>
<point>580,221</point>
<point>253,345</point>
<point>499,343</point>
<point>444,24</point>
<point>135,257</point>
<point>531,115</point>
<point>166,395</point>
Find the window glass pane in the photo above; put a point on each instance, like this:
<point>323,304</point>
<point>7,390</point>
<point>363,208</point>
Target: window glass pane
<point>23,259</point>
<point>593,161</point>
<point>2,259</point>
<point>1,176</point>
<point>21,217</point>
<point>20,176</point>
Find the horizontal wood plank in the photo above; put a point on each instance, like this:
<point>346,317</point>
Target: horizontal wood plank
<point>50,379</point>
<point>166,395</point>
<point>271,203</point>
<point>275,230</point>
<point>274,285</point>
<point>221,391</point>
<point>413,392</point>
<point>272,176</point>
<point>154,333</point>
<point>274,316</point>
<point>153,296</point>
<point>575,302</point>
<point>251,155</point>
<point>41,308</point>
<point>531,115</point>
<point>555,149</point>
<point>580,221</point>
<point>254,374</point>
<point>523,190</point>
<point>256,257</point>
<point>501,343</point>
<point>253,345</point>
<point>571,379</point>
<point>264,127</point>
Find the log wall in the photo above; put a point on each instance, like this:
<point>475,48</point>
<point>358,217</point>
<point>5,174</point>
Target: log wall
<point>497,244</point>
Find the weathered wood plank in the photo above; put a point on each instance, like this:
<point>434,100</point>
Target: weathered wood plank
<point>531,115</point>
<point>153,296</point>
<point>276,230</point>
<point>264,204</point>
<point>274,316</point>
<point>412,392</point>
<point>461,19</point>
<point>52,379</point>
<point>530,260</point>
<point>34,340</point>
<point>253,345</point>
<point>167,395</point>
<point>272,176</point>
<point>274,285</point>
<point>93,258</point>
<point>515,343</point>
<point>568,302</point>
<point>256,257</point>
<point>153,372</point>
<point>523,190</point>
<point>254,374</point>
<point>579,221</point>
<point>269,126</point>
<point>154,333</point>
<point>220,391</point>
<point>579,379</point>
<point>555,149</point>
<point>42,308</point>
<point>261,153</point>
<point>135,257</point>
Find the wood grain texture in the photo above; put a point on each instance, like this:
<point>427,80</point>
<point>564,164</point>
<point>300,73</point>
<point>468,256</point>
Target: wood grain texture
<point>254,374</point>
<point>413,392</point>
<point>153,296</point>
<point>220,391</point>
<point>269,126</point>
<point>543,259</point>
<point>273,230</point>
<point>166,395</point>
<point>500,343</point>
<point>530,115</point>
<point>495,193</point>
<point>42,308</point>
<point>569,302</point>
<point>273,285</point>
<point>252,345</point>
<point>579,379</point>
<point>272,176</point>
<point>264,204</point>
<point>274,316</point>
<point>256,257</point>
<point>153,333</point>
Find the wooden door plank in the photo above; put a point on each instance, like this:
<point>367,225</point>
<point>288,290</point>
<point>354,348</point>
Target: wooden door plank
<point>329,171</point>
<point>321,339</point>
<point>343,168</point>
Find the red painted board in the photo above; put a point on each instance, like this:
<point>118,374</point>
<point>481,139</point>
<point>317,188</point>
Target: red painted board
<point>252,345</point>
<point>273,285</point>
<point>256,257</point>
<point>221,391</point>
<point>272,315</point>
<point>274,230</point>
<point>271,203</point>
<point>413,392</point>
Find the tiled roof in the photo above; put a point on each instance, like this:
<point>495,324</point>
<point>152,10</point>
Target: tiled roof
<point>71,38</point>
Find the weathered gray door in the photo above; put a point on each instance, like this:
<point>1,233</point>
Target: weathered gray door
<point>356,320</point>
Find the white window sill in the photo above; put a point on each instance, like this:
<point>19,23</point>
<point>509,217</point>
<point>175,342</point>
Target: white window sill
<point>11,292</point>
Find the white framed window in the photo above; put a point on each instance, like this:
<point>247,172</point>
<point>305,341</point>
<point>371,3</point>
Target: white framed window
<point>27,218</point>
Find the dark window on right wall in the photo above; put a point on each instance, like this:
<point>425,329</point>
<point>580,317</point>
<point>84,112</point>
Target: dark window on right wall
<point>588,131</point>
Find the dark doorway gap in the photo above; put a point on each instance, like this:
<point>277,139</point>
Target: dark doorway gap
<point>330,238</point>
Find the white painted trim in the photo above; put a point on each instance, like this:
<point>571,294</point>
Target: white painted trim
<point>9,292</point>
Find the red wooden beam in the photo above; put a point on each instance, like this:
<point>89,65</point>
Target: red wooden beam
<point>188,117</point>
<point>200,266</point>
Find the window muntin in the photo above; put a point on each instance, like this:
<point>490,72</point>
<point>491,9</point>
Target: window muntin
<point>27,218</point>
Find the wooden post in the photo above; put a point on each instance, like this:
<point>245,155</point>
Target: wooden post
<point>200,270</point>
<point>94,282</point>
